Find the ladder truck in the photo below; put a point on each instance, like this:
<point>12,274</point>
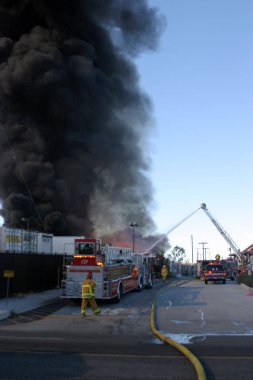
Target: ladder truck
<point>116,270</point>
<point>240,261</point>
<point>237,253</point>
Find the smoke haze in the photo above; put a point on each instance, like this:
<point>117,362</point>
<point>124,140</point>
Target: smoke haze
<point>74,121</point>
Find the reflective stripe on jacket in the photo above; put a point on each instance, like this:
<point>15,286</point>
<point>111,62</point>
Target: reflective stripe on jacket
<point>88,290</point>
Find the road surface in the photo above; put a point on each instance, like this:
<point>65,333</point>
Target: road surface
<point>213,321</point>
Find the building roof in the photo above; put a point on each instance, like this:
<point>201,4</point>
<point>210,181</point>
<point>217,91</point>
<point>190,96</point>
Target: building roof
<point>248,250</point>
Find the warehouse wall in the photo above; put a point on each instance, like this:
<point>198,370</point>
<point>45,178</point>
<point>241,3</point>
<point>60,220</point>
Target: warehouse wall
<point>32,272</point>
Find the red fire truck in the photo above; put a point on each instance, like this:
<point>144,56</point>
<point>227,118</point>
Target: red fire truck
<point>215,272</point>
<point>201,267</point>
<point>145,265</point>
<point>113,270</point>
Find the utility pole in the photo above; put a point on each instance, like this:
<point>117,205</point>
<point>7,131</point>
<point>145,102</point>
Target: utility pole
<point>203,248</point>
<point>192,247</point>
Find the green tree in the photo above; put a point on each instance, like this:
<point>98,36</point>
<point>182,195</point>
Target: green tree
<point>177,254</point>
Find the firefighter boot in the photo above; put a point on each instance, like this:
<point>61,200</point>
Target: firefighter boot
<point>97,311</point>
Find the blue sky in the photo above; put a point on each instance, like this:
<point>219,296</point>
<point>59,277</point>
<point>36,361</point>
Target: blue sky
<point>201,85</point>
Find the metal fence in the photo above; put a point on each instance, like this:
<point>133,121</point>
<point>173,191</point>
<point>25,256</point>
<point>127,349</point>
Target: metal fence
<point>20,272</point>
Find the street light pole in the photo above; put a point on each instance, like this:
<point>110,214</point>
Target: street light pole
<point>133,225</point>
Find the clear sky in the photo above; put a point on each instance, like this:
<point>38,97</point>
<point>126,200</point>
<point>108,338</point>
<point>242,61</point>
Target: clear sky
<point>201,85</point>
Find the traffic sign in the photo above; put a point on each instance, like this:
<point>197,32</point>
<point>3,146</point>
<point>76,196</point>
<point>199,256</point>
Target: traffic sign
<point>9,273</point>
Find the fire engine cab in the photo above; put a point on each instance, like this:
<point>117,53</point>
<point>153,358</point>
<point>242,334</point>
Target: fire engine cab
<point>215,272</point>
<point>113,269</point>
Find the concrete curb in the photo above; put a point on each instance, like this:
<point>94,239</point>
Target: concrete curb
<point>26,302</point>
<point>247,287</point>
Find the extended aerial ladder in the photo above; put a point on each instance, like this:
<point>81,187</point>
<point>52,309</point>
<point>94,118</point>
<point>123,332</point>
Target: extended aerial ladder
<point>221,230</point>
<point>225,235</point>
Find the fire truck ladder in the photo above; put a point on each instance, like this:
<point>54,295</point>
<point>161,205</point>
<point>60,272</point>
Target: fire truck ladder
<point>221,230</point>
<point>225,235</point>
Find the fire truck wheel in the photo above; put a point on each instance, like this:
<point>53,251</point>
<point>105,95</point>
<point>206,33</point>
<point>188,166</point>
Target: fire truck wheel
<point>206,282</point>
<point>76,300</point>
<point>150,284</point>
<point>140,286</point>
<point>119,293</point>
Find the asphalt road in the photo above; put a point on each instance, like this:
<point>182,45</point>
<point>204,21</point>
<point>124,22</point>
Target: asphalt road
<point>215,323</point>
<point>118,344</point>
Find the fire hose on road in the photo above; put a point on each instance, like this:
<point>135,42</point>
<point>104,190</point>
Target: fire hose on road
<point>187,353</point>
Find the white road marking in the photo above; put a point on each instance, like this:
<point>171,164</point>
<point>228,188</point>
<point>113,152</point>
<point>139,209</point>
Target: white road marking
<point>179,322</point>
<point>202,318</point>
<point>193,338</point>
<point>170,304</point>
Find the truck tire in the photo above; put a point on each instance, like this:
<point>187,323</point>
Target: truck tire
<point>140,286</point>
<point>224,281</point>
<point>76,300</point>
<point>150,284</point>
<point>206,282</point>
<point>119,294</point>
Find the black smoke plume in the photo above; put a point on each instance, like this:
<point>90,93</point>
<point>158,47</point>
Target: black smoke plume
<point>74,120</point>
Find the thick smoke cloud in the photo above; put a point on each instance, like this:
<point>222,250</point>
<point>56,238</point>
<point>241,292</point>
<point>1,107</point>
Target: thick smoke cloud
<point>74,120</point>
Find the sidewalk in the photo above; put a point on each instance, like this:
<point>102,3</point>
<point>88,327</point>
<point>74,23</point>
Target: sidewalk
<point>27,301</point>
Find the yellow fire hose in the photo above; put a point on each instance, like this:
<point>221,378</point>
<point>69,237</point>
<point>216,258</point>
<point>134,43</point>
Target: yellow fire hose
<point>187,353</point>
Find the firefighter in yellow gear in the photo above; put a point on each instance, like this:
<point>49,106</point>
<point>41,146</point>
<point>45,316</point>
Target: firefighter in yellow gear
<point>88,295</point>
<point>164,273</point>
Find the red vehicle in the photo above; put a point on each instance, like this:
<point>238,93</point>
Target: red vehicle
<point>231,268</point>
<point>215,272</point>
<point>201,267</point>
<point>113,269</point>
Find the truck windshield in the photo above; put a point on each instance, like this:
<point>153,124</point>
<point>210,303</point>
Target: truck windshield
<point>85,248</point>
